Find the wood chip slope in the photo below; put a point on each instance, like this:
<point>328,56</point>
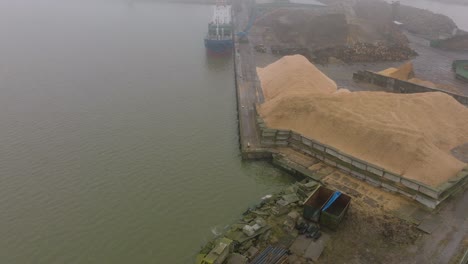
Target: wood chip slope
<point>408,134</point>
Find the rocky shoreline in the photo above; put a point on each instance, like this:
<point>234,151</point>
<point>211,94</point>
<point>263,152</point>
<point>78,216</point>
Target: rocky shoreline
<point>277,228</point>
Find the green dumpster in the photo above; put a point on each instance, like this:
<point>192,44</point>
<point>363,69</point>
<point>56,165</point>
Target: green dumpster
<point>314,204</point>
<point>334,214</point>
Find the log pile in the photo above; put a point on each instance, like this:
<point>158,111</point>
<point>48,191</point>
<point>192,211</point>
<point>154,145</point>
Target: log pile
<point>366,52</point>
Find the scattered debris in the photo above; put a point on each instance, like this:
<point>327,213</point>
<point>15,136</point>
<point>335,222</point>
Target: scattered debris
<point>218,254</point>
<point>365,52</point>
<point>271,255</point>
<point>271,237</point>
<point>260,48</point>
<point>237,258</point>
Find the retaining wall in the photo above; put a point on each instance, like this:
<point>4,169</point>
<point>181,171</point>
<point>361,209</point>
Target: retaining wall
<point>365,171</point>
<point>399,86</point>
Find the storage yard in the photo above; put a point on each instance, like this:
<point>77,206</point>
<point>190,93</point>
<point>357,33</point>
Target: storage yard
<point>363,34</point>
<point>353,39</point>
<point>382,141</point>
<point>413,140</point>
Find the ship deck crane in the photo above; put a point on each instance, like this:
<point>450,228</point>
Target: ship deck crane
<point>243,34</point>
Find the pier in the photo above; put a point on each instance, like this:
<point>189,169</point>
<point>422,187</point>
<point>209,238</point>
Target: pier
<point>249,91</point>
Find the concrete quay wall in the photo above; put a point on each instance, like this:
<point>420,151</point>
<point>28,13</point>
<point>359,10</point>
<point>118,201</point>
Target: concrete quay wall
<point>399,86</point>
<point>362,170</point>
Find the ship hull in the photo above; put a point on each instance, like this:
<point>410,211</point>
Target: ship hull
<point>219,46</point>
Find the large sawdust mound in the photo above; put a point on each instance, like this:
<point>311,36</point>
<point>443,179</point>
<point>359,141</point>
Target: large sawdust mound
<point>295,78</point>
<point>408,134</point>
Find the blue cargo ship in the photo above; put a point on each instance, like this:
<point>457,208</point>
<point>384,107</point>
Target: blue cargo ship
<point>219,37</point>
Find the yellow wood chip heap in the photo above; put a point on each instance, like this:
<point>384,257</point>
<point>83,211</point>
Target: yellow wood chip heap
<point>406,73</point>
<point>408,134</point>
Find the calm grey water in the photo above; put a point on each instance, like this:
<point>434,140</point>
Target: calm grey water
<point>118,134</point>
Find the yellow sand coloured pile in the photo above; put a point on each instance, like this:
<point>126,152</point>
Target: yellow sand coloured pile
<point>423,83</point>
<point>406,73</point>
<point>296,77</point>
<point>408,134</point>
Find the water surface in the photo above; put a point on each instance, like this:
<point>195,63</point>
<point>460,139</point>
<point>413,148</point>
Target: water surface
<point>118,134</point>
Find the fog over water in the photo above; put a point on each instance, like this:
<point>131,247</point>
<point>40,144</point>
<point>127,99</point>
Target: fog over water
<point>459,13</point>
<point>118,134</point>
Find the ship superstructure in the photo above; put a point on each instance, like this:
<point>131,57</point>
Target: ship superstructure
<point>219,37</point>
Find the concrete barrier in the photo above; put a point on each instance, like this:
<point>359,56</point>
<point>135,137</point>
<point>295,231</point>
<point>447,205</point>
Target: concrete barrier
<point>360,169</point>
<point>399,86</point>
